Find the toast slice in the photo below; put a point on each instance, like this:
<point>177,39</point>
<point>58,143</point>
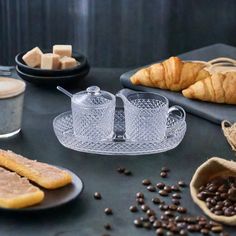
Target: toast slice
<point>45,175</point>
<point>17,191</point>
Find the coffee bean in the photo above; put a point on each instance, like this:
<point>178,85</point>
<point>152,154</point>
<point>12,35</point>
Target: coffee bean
<point>164,218</point>
<point>182,184</point>
<point>107,226</point>
<point>144,219</point>
<point>151,188</point>
<point>168,213</point>
<point>156,200</point>
<point>176,196</point>
<point>173,207</point>
<point>147,225</point>
<point>201,196</point>
<point>191,228</point>
<point>167,188</point>
<point>97,195</point>
<point>157,224</point>
<point>140,201</point>
<point>179,219</point>
<point>191,220</point>
<point>139,195</point>
<point>218,213</point>
<point>146,182</point>
<point>224,234</point>
<point>232,194</point>
<point>127,172</point>
<point>175,201</point>
<point>108,211</point>
<point>144,207</point>
<point>133,208</point>
<point>183,232</point>
<point>160,232</point>
<point>152,218</point>
<point>160,185</point>
<point>150,212</point>
<point>213,223</point>
<point>181,209</point>
<point>217,229</point>
<point>163,193</point>
<point>163,174</point>
<point>138,223</point>
<point>120,169</point>
<point>175,188</point>
<point>165,169</point>
<point>164,207</point>
<point>182,225</point>
<point>169,233</point>
<point>205,231</point>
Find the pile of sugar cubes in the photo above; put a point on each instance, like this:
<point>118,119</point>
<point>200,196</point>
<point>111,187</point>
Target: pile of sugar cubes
<point>61,58</point>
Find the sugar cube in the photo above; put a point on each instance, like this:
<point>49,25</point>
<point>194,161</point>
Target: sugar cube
<point>67,62</point>
<point>50,61</point>
<point>63,50</point>
<point>33,57</point>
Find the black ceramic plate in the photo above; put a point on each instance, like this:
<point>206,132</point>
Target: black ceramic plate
<point>52,80</point>
<point>37,71</point>
<point>57,197</point>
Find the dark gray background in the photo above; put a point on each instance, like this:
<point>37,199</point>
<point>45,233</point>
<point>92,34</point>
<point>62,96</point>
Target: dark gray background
<point>118,33</point>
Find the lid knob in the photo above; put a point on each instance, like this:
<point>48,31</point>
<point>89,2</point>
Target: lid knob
<point>93,90</point>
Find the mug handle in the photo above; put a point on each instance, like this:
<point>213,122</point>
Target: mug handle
<point>179,113</point>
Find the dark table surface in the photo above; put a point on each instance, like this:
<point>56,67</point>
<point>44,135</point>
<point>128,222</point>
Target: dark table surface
<point>85,216</point>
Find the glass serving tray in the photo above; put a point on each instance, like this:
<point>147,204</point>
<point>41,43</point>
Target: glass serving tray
<point>63,129</point>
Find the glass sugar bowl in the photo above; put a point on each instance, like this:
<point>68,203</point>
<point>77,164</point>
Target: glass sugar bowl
<point>93,113</point>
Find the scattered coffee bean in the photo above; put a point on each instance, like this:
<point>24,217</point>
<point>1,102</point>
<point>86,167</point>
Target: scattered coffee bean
<point>139,195</point>
<point>127,172</point>
<point>182,184</point>
<point>175,201</point>
<point>108,211</point>
<point>145,207</point>
<point>205,231</point>
<point>150,212</point>
<point>138,223</point>
<point>160,185</point>
<point>147,225</point>
<point>175,188</point>
<point>169,233</point>
<point>133,208</point>
<point>165,169</point>
<point>167,188</point>
<point>176,196</point>
<point>146,182</point>
<point>97,195</point>
<point>120,170</point>
<point>181,209</point>
<point>164,207</point>
<point>163,174</point>
<point>173,207</point>
<point>152,218</point>
<point>151,188</point>
<point>156,200</point>
<point>107,226</point>
<point>163,193</point>
<point>169,213</point>
<point>157,224</point>
<point>160,232</point>
<point>217,229</point>
<point>183,232</point>
<point>140,201</point>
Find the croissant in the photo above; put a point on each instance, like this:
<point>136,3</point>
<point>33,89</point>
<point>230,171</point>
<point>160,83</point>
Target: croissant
<point>173,74</point>
<point>218,88</point>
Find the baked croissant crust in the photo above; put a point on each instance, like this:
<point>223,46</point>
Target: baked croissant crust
<point>218,88</point>
<point>172,74</point>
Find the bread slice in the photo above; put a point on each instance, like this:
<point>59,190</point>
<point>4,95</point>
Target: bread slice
<point>17,191</point>
<point>45,175</point>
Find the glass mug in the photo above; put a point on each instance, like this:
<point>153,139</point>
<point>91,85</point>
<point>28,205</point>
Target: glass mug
<point>146,115</point>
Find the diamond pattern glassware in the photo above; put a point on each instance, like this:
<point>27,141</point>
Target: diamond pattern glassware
<point>63,127</point>
<point>146,115</point>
